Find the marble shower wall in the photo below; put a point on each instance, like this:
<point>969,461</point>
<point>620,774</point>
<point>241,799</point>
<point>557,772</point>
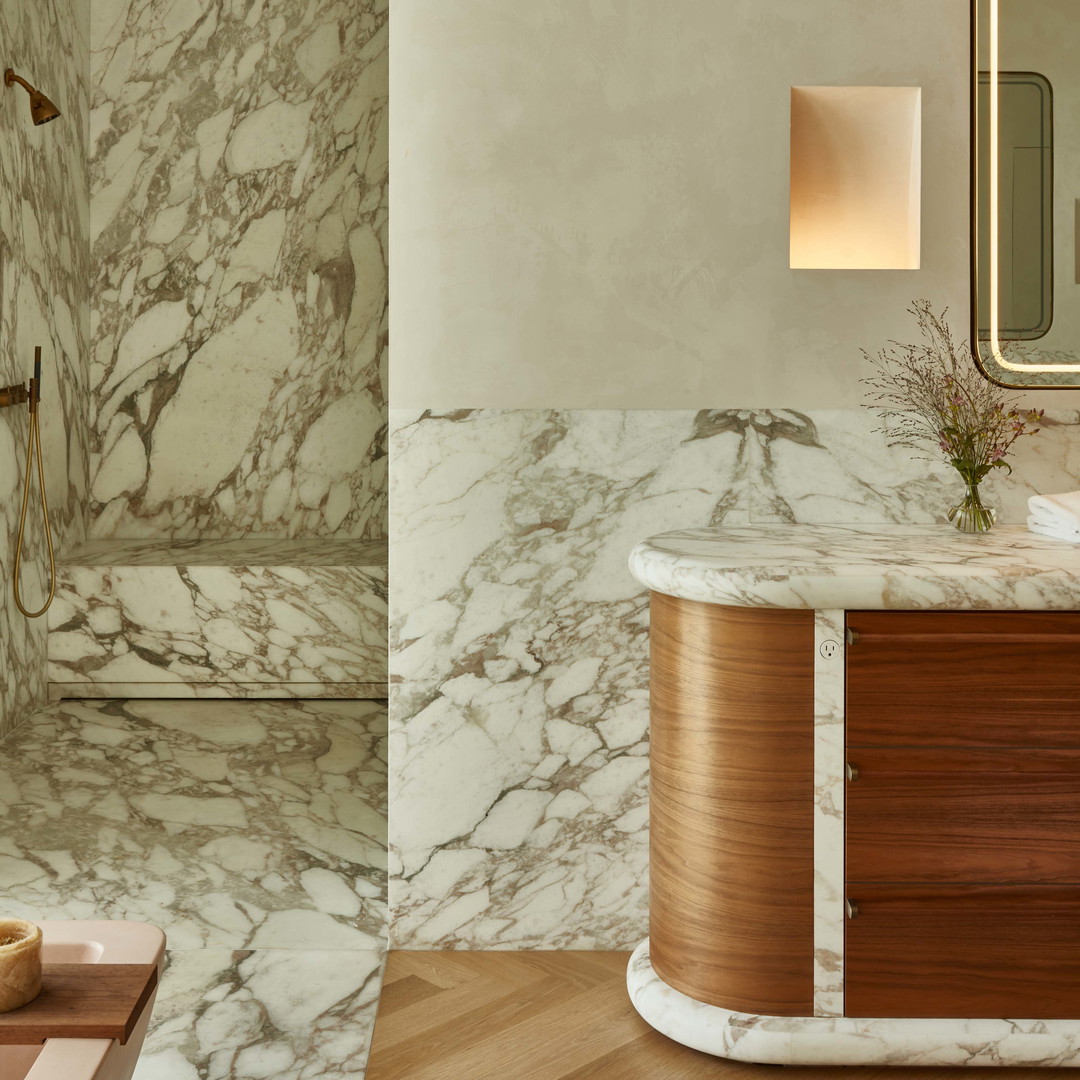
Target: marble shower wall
<point>238,214</point>
<point>44,300</point>
<point>519,683</point>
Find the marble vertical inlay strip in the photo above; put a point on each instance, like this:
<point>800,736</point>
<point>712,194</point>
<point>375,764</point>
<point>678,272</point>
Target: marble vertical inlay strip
<point>829,813</point>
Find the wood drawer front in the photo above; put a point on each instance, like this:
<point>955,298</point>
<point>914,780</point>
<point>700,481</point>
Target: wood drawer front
<point>957,678</point>
<point>964,951</point>
<point>948,814</point>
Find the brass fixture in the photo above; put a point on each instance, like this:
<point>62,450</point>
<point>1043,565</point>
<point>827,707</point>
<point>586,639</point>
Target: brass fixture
<point>17,395</point>
<point>14,395</point>
<point>42,110</point>
<point>852,771</point>
<point>852,909</point>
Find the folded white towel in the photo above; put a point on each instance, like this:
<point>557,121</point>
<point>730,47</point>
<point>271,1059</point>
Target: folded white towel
<point>1054,531</point>
<point>1057,511</point>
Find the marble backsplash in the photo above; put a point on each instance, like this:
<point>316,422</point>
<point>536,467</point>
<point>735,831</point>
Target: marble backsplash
<point>238,179</point>
<point>519,681</point>
<point>44,300</point>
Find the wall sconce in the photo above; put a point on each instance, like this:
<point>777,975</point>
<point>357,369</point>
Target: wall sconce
<point>856,161</point>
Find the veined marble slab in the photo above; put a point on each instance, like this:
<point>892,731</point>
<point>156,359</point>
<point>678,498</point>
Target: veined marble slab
<point>520,639</point>
<point>218,690</point>
<point>231,825</point>
<point>241,551</point>
<point>862,566</point>
<point>44,300</point>
<point>838,1040</point>
<point>281,1014</point>
<point>153,625</point>
<point>252,833</point>
<point>238,184</point>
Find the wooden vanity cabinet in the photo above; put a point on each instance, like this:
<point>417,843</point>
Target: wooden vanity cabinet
<point>962,810</point>
<point>962,814</point>
<point>731,804</point>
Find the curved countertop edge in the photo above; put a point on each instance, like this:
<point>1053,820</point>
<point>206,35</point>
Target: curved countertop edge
<point>861,566</point>
<point>838,1040</point>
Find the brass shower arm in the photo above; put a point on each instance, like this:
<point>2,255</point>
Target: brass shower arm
<point>10,77</point>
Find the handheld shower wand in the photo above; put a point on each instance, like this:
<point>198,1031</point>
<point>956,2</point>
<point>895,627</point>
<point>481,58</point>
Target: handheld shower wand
<point>14,395</point>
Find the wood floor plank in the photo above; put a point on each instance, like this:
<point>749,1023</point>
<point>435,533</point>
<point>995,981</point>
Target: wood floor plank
<point>412,1051</point>
<point>444,969</point>
<point>577,1029</point>
<point>578,968</point>
<point>404,992</point>
<point>451,1006</point>
<point>651,1057</point>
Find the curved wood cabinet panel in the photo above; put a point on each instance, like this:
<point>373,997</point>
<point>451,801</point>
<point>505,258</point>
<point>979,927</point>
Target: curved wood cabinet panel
<point>732,775</point>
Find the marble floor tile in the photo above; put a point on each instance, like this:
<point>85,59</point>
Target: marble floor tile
<point>280,1014</point>
<point>252,832</point>
<point>231,824</point>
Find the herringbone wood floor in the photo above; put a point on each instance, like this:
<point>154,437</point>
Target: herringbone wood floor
<point>553,1016</point>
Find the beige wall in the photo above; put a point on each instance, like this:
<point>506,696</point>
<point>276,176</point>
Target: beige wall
<point>590,199</point>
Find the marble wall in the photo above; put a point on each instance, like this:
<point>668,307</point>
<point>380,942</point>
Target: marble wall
<point>238,211</point>
<point>519,701</point>
<point>44,300</point>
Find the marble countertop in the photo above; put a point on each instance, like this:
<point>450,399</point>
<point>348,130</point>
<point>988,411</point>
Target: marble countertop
<point>862,566</point>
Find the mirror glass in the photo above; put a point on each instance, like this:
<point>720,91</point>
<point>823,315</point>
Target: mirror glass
<point>1026,191</point>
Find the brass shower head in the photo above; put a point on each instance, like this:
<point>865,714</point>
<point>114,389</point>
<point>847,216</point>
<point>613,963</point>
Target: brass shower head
<point>42,110</point>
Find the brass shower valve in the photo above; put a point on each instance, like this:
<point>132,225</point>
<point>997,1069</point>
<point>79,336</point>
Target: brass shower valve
<point>18,394</point>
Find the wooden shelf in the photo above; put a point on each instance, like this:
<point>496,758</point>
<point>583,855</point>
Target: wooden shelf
<point>82,1001</point>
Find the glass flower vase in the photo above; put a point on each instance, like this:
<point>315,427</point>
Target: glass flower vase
<point>970,514</point>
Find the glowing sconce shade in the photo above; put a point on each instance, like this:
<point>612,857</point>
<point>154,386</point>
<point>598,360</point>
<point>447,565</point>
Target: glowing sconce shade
<point>855,177</point>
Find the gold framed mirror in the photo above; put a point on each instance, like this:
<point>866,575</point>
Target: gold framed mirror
<point>1025,191</point>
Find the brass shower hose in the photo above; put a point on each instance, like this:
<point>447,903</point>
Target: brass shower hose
<point>33,445</point>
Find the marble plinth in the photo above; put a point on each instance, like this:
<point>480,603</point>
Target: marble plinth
<point>220,619</point>
<point>839,1040</point>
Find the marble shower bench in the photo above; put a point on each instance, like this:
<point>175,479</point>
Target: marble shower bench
<point>245,618</point>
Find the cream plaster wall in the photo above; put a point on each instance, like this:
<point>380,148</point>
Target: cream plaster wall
<point>591,199</point>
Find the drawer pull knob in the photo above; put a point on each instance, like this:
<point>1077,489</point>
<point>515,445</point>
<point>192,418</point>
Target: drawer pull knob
<point>851,636</point>
<point>852,909</point>
<point>852,771</point>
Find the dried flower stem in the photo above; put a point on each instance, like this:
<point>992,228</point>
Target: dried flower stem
<point>931,395</point>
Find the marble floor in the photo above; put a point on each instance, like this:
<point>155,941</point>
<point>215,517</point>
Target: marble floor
<point>252,832</point>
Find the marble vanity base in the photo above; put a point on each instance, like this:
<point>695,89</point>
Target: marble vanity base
<point>837,1040</point>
